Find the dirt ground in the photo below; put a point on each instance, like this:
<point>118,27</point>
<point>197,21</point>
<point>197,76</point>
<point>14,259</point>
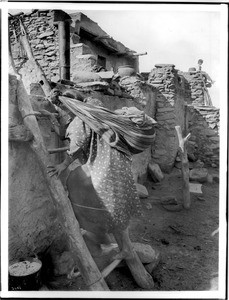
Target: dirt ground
<point>188,251</point>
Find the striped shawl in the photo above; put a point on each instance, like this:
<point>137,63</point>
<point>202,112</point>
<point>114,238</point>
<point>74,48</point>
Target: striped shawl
<point>129,130</point>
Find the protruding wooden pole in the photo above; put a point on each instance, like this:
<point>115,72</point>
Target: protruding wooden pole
<point>184,166</point>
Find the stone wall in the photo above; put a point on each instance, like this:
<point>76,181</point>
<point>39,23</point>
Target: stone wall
<point>169,113</point>
<point>196,86</point>
<point>203,123</point>
<point>43,37</point>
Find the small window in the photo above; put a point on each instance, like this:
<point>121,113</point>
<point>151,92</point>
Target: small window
<point>101,61</point>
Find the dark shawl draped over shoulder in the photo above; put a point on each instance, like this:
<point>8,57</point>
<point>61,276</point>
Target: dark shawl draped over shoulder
<point>129,129</point>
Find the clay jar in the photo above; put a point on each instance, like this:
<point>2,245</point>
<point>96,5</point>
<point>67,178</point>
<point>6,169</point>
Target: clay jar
<point>126,70</point>
<point>25,280</point>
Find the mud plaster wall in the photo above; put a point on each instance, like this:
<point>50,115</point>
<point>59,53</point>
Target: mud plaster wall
<point>33,221</point>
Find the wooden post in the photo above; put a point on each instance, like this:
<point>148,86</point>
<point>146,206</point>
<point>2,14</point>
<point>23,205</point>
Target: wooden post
<point>64,48</point>
<point>184,166</point>
<point>86,264</point>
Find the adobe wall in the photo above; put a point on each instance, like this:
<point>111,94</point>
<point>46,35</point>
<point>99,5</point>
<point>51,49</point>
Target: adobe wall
<point>33,220</point>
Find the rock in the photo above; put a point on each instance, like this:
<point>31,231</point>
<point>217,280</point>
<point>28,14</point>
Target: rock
<point>149,206</point>
<point>155,172</point>
<point>45,34</point>
<point>214,165</point>
<point>170,200</point>
<point>142,190</point>
<point>216,178</point>
<point>178,164</point>
<point>178,158</point>
<point>146,253</point>
<point>199,175</point>
<point>200,198</point>
<point>191,157</point>
<point>199,164</point>
<point>195,188</point>
<point>209,178</point>
<point>173,207</point>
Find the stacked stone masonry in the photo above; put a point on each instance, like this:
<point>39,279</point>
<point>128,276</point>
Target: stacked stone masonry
<point>204,127</point>
<point>43,38</point>
<point>164,79</point>
<point>197,83</point>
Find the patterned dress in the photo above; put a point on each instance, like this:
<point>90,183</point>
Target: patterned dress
<point>110,172</point>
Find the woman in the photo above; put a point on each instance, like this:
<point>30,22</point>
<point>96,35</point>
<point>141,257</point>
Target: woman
<point>102,190</point>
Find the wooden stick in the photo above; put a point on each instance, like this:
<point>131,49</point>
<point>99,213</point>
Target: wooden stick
<point>110,267</point>
<point>57,150</point>
<point>87,267</point>
<point>184,166</point>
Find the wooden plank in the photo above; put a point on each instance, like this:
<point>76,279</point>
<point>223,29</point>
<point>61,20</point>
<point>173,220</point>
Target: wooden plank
<point>86,264</point>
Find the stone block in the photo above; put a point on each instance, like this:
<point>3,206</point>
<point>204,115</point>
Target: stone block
<point>199,175</point>
<point>155,172</point>
<point>215,139</point>
<point>45,34</point>
<point>141,190</point>
<point>164,116</point>
<point>195,188</point>
<point>145,252</point>
<point>165,109</point>
<point>214,146</point>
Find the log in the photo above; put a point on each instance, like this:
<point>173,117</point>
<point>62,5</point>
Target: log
<point>184,166</point>
<point>42,78</point>
<point>87,267</point>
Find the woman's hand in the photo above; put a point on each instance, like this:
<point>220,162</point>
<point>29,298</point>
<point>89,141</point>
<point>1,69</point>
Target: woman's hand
<point>57,169</point>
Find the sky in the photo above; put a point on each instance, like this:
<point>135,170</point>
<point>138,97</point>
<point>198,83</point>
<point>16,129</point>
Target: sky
<point>174,34</point>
